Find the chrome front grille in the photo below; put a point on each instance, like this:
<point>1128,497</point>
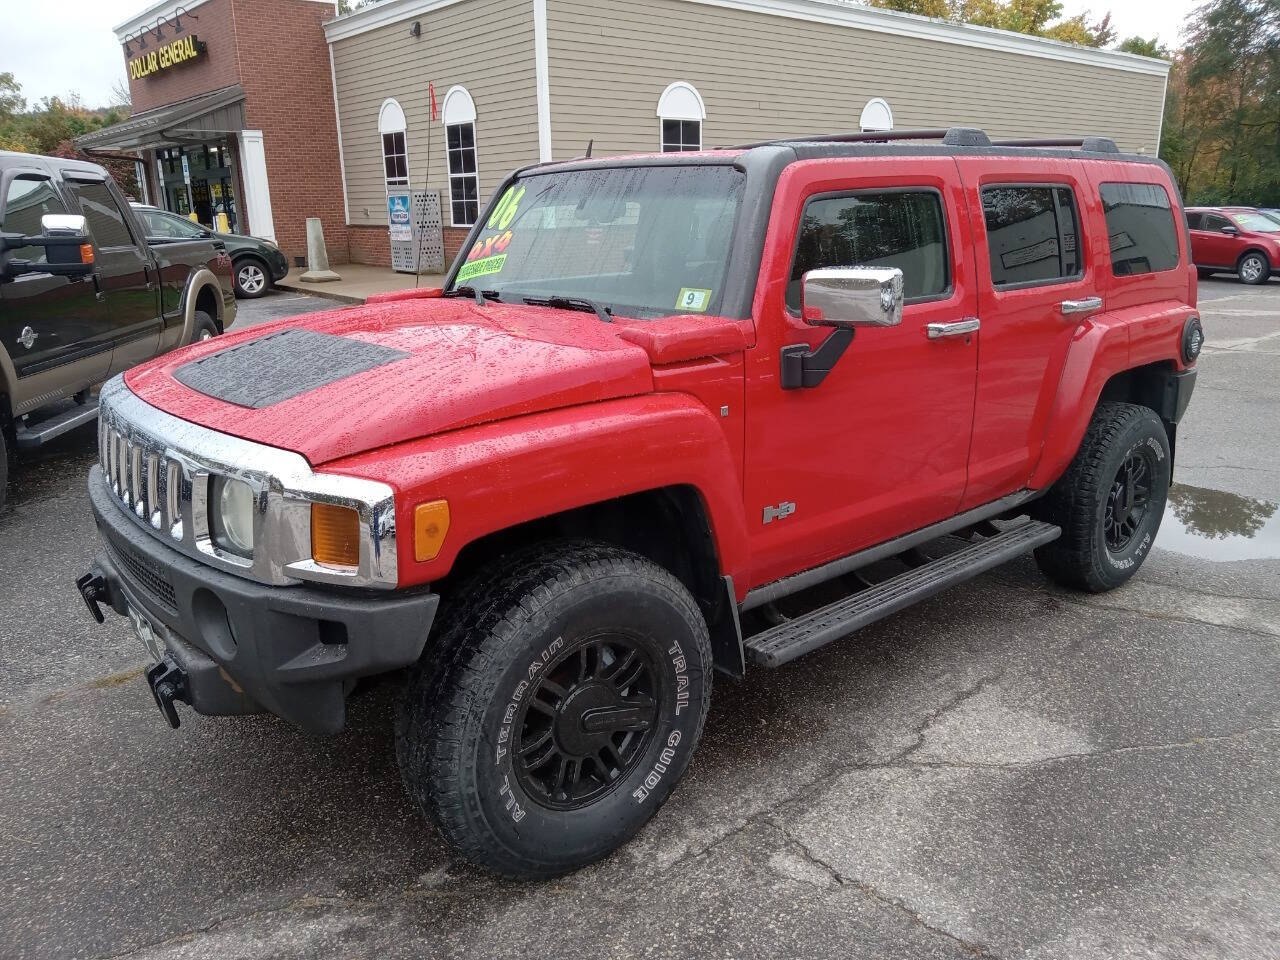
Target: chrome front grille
<point>147,482</point>
<point>160,469</point>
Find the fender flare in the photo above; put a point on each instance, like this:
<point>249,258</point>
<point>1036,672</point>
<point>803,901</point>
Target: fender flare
<point>197,280</point>
<point>8,384</point>
<point>500,475</point>
<point>1098,351</point>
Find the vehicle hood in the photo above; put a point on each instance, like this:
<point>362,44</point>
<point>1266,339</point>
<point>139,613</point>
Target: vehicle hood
<point>424,366</point>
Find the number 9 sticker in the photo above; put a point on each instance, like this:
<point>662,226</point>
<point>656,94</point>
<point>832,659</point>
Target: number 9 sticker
<point>693,299</point>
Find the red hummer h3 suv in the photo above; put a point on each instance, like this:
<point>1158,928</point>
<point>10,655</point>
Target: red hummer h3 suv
<point>658,401</point>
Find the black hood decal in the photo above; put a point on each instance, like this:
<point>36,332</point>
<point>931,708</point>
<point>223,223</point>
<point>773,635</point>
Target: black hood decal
<point>281,366</point>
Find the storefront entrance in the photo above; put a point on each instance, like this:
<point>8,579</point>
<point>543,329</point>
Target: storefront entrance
<point>199,178</point>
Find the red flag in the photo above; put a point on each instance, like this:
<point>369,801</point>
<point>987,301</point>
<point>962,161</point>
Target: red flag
<point>431,89</point>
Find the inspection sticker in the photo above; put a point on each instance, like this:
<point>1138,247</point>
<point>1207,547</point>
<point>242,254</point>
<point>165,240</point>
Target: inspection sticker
<point>482,268</point>
<point>693,299</point>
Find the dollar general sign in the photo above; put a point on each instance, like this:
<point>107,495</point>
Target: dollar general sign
<point>180,51</point>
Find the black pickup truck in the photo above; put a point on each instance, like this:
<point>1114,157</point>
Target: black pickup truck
<point>84,296</point>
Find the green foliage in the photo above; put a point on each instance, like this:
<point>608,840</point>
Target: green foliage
<point>51,127</point>
<point>1222,116</point>
<point>1038,18</point>
<point>1145,48</point>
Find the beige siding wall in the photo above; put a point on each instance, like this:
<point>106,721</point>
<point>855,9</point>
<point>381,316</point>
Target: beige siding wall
<point>768,76</point>
<point>483,45</point>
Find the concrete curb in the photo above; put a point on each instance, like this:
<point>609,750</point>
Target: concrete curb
<point>317,290</point>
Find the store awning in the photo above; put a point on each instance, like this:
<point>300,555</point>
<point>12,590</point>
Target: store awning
<point>206,117</point>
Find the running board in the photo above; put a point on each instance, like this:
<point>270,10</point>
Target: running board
<point>785,642</point>
<point>38,434</point>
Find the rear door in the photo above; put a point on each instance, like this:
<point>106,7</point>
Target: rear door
<point>1212,246</point>
<point>1037,281</point>
<point>879,448</point>
<point>47,322</point>
<point>125,273</point>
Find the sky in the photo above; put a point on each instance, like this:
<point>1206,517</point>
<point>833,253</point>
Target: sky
<point>76,51</point>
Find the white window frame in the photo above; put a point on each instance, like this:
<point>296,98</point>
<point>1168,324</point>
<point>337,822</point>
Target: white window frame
<point>391,120</point>
<point>459,109</point>
<point>681,101</point>
<point>876,116</point>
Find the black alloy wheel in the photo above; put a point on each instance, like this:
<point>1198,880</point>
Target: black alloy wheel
<point>588,720</point>
<point>1129,499</point>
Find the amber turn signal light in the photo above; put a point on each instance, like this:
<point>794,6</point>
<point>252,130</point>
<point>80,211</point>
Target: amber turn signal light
<point>430,526</point>
<point>86,253</point>
<point>335,535</point>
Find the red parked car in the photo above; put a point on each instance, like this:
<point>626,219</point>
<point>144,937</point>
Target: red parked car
<point>1239,240</point>
<point>659,400</point>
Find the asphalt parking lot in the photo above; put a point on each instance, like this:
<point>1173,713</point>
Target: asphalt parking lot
<point>1010,770</point>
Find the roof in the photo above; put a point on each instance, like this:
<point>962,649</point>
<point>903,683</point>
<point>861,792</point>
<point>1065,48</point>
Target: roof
<point>166,10</point>
<point>49,164</point>
<point>839,12</point>
<point>149,128</point>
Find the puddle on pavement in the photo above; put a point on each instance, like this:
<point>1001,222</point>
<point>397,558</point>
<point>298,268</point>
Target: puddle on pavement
<point>1219,526</point>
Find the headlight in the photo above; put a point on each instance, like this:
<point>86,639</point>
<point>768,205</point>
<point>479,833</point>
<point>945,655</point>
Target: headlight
<point>232,518</point>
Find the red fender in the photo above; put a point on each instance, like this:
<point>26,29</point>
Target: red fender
<point>1098,351</point>
<point>498,475</point>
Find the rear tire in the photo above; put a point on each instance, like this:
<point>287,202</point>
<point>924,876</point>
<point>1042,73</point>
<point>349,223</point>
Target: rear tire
<point>252,278</point>
<point>1110,501</point>
<point>1254,268</point>
<point>562,700</point>
<point>204,327</point>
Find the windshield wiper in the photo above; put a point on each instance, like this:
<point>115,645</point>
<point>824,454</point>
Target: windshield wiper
<point>572,303</point>
<point>480,296</point>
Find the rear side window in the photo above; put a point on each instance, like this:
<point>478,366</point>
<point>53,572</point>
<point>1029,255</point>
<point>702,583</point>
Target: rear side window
<point>903,229</point>
<point>1032,234</point>
<point>27,199</point>
<point>1195,220</point>
<point>1141,228</point>
<point>106,222</point>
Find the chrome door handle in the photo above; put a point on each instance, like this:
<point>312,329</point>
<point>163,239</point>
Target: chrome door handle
<point>961,328</point>
<point>1087,305</point>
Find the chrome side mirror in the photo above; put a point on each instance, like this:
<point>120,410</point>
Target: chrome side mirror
<point>63,224</point>
<point>849,297</point>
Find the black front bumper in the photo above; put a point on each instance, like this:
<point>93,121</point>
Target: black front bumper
<point>245,647</point>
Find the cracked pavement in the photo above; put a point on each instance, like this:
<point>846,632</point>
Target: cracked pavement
<point>1009,770</point>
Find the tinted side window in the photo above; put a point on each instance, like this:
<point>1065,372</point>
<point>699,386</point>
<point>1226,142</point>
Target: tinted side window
<point>159,225</point>
<point>901,229</point>
<point>1140,225</point>
<point>1214,222</point>
<point>106,222</point>
<point>1031,234</point>
<point>27,200</point>
<point>1194,220</point>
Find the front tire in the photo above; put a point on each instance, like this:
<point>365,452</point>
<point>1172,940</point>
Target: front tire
<point>564,697</point>
<point>4,463</point>
<point>1254,268</point>
<point>252,278</point>
<point>1110,501</point>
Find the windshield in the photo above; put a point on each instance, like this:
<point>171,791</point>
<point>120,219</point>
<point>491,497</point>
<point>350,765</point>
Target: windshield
<point>641,242</point>
<point>1257,222</point>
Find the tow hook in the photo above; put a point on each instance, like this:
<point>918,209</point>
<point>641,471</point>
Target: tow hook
<point>93,590</point>
<point>168,684</point>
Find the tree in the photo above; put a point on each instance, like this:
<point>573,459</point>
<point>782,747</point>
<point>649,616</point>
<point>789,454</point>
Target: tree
<point>1145,48</point>
<point>1038,18</point>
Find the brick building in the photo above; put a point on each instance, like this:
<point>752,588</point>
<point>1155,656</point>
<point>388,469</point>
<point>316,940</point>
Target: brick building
<point>234,115</point>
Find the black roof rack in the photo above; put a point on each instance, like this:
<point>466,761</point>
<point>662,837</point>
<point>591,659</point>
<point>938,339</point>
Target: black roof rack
<point>953,136</point>
<point>1091,144</point>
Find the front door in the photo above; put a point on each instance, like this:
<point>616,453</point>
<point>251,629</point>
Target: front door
<point>880,447</point>
<point>125,274</point>
<point>47,322</point>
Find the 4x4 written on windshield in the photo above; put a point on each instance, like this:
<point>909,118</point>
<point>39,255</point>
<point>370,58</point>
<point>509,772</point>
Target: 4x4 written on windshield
<point>646,241</point>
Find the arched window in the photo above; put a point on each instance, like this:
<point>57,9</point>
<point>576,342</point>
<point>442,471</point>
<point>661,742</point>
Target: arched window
<point>395,154</point>
<point>680,116</point>
<point>459,118</point>
<point>876,115</point>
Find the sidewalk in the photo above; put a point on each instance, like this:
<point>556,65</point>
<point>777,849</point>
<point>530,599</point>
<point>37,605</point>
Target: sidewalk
<point>358,282</point>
